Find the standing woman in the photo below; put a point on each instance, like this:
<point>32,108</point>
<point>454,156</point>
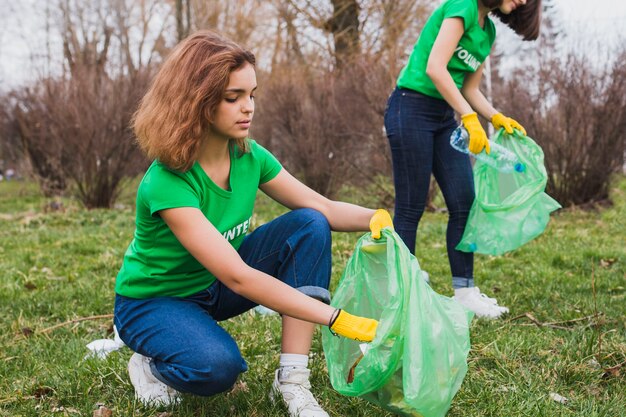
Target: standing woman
<point>192,263</point>
<point>442,77</point>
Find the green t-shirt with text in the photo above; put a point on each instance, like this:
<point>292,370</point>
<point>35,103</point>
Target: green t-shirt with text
<point>155,263</point>
<point>470,53</point>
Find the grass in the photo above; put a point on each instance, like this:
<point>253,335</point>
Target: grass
<point>59,266</point>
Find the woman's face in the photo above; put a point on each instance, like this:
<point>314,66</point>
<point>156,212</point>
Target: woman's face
<point>233,115</point>
<point>508,6</point>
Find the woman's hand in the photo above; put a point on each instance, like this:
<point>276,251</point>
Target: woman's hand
<point>379,221</point>
<point>353,327</point>
<point>477,136</point>
<point>499,120</point>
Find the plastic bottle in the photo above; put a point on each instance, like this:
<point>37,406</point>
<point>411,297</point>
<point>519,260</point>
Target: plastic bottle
<point>499,157</point>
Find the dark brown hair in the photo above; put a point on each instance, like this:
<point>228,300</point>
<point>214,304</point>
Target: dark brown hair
<point>174,116</point>
<point>525,20</point>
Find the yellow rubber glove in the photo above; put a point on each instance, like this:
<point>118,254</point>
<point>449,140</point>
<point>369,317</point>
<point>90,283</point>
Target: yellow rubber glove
<point>354,327</point>
<point>477,136</point>
<point>499,120</point>
<point>379,221</point>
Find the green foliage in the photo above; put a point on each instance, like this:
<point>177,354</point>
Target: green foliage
<point>59,266</point>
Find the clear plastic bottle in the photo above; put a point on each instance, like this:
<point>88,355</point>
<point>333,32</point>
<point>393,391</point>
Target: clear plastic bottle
<point>499,157</point>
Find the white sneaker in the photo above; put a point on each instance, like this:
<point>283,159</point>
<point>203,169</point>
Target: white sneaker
<point>294,387</point>
<point>149,390</point>
<point>479,303</point>
<point>491,300</point>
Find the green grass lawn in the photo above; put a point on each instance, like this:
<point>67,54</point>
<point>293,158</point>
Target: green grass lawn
<point>60,266</point>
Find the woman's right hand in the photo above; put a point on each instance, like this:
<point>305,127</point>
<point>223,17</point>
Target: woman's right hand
<point>477,136</point>
<point>379,221</point>
<point>353,327</point>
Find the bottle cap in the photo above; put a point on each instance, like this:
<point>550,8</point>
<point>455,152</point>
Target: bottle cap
<point>519,167</point>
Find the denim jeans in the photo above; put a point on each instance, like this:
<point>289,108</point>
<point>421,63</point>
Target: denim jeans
<point>190,351</point>
<point>419,128</point>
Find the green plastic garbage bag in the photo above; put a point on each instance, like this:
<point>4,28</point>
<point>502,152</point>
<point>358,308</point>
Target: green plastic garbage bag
<point>510,209</point>
<point>417,361</point>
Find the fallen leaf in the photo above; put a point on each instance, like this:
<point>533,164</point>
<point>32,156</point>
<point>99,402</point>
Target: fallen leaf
<point>102,411</point>
<point>30,286</point>
<point>504,388</point>
<point>593,363</point>
<point>41,392</point>
<point>612,372</point>
<point>606,263</point>
<point>27,331</point>
<point>558,398</point>
<point>240,386</point>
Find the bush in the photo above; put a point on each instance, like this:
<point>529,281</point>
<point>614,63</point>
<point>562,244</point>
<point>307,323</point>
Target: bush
<point>578,116</point>
<point>327,127</point>
<point>77,130</point>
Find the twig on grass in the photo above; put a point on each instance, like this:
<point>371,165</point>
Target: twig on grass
<point>555,324</point>
<point>56,326</point>
<point>572,321</point>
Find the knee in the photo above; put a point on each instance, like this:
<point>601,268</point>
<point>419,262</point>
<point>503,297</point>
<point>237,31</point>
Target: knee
<point>214,375</point>
<point>315,222</point>
<point>221,379</point>
<point>461,206</point>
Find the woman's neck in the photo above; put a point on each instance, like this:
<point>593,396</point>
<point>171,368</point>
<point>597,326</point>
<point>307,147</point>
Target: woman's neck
<point>483,11</point>
<point>213,151</point>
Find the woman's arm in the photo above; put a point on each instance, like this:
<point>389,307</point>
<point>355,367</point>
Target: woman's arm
<point>209,247</point>
<point>447,40</point>
<point>471,92</point>
<point>290,192</point>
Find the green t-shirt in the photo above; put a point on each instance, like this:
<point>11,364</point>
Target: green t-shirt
<point>471,52</point>
<point>156,264</point>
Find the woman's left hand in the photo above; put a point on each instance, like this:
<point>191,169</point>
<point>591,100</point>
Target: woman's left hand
<point>499,120</point>
<point>357,328</point>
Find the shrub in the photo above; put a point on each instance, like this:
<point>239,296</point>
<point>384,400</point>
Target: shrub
<point>578,116</point>
<point>77,130</point>
<point>327,127</point>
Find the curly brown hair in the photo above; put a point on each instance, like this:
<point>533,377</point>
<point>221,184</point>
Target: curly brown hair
<point>175,114</point>
<point>525,20</point>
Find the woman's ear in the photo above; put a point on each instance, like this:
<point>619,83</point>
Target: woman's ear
<point>207,115</point>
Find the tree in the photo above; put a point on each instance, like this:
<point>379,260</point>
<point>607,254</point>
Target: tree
<point>183,24</point>
<point>344,26</point>
<point>75,127</point>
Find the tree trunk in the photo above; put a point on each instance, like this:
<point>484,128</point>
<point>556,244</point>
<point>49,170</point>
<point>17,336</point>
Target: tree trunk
<point>344,25</point>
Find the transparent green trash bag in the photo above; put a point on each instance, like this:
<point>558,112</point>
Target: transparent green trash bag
<point>417,361</point>
<point>510,209</point>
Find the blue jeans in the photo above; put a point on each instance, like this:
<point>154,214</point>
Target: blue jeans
<point>419,128</point>
<point>190,351</point>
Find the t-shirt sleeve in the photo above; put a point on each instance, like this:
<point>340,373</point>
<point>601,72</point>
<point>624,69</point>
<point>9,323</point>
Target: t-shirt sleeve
<point>270,167</point>
<point>162,189</point>
<point>464,9</point>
